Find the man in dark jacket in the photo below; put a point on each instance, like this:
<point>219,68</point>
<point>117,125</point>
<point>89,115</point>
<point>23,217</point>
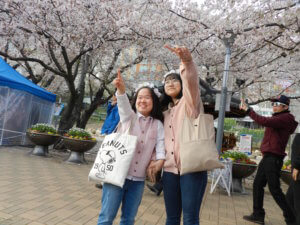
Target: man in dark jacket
<point>293,193</point>
<point>278,129</point>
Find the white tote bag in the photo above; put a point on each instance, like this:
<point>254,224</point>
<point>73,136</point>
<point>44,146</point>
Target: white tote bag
<point>113,158</point>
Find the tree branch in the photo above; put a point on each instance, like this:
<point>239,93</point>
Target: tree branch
<point>28,59</point>
<point>183,17</point>
<point>279,46</point>
<point>53,57</point>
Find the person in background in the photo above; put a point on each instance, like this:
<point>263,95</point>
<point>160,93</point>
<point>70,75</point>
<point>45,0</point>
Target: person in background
<point>293,193</point>
<point>112,117</point>
<point>59,107</point>
<point>278,129</point>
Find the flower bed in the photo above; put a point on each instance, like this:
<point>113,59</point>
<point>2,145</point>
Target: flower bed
<point>286,173</point>
<point>79,134</point>
<point>287,165</point>
<point>242,166</point>
<point>237,157</point>
<point>43,128</point>
<point>78,141</point>
<point>42,135</point>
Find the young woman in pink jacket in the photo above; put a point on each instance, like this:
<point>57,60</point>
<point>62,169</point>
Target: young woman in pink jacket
<point>182,98</point>
<point>146,115</point>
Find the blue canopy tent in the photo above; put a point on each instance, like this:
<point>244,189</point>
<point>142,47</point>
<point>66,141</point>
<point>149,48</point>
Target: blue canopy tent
<point>22,104</point>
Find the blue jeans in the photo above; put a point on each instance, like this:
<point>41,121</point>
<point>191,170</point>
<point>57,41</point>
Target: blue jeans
<point>183,193</point>
<point>130,195</point>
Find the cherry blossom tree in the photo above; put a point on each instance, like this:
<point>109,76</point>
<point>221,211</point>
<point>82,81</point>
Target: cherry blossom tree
<point>66,39</point>
<point>57,35</point>
<point>266,46</point>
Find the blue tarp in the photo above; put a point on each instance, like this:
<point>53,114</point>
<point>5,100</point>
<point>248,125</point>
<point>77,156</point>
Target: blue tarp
<point>11,78</point>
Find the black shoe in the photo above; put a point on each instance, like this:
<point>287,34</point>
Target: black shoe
<point>291,223</point>
<point>294,222</point>
<point>99,186</point>
<point>255,219</point>
<point>158,192</point>
<point>154,189</point>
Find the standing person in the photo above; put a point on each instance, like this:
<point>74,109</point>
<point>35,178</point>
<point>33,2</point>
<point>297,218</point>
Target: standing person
<point>146,117</point>
<point>112,117</point>
<point>293,193</point>
<point>278,129</point>
<point>181,97</point>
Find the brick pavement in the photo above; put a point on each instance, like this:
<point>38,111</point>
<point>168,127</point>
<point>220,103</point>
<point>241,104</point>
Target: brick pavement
<point>46,191</point>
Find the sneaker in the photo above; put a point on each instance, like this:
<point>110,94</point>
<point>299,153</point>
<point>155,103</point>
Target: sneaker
<point>255,219</point>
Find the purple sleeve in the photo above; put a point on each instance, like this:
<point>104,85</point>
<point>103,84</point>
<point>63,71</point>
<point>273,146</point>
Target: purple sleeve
<point>274,121</point>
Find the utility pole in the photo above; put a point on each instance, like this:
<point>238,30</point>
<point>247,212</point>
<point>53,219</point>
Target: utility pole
<point>228,42</point>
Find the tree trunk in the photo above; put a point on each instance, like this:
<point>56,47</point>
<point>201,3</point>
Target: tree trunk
<point>75,104</point>
<point>97,101</point>
<point>67,120</point>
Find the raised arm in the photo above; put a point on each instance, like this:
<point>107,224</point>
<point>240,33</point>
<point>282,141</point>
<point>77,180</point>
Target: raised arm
<point>118,82</point>
<point>125,110</point>
<point>190,80</point>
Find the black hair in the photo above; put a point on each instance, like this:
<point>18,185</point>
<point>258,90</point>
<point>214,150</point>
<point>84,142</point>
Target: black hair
<point>166,99</point>
<point>156,111</point>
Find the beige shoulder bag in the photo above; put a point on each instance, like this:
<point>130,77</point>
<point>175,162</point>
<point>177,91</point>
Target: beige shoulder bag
<point>198,150</point>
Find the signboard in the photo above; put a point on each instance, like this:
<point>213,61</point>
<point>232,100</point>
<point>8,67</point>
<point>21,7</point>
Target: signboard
<point>245,143</point>
<point>218,102</point>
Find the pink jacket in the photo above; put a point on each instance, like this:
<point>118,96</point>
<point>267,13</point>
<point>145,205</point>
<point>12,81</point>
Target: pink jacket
<point>173,117</point>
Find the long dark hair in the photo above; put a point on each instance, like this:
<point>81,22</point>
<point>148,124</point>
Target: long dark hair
<point>156,111</point>
<point>166,99</point>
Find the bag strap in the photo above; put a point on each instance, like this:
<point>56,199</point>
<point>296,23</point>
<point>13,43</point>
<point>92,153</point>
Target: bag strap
<point>201,110</point>
<point>132,123</point>
<point>117,127</point>
<point>194,123</point>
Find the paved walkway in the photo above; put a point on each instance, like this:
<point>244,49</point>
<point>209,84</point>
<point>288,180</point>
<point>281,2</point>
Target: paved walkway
<point>46,191</point>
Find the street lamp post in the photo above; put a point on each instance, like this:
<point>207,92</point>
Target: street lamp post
<point>228,43</point>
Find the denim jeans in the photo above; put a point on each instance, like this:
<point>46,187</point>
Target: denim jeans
<point>112,196</point>
<point>183,193</point>
<point>268,172</point>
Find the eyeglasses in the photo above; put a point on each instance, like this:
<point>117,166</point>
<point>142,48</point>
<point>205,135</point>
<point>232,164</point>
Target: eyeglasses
<point>278,104</point>
<point>173,81</point>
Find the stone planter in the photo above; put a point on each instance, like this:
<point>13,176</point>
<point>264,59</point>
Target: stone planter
<point>41,141</point>
<point>239,172</point>
<point>78,148</point>
<point>286,176</point>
